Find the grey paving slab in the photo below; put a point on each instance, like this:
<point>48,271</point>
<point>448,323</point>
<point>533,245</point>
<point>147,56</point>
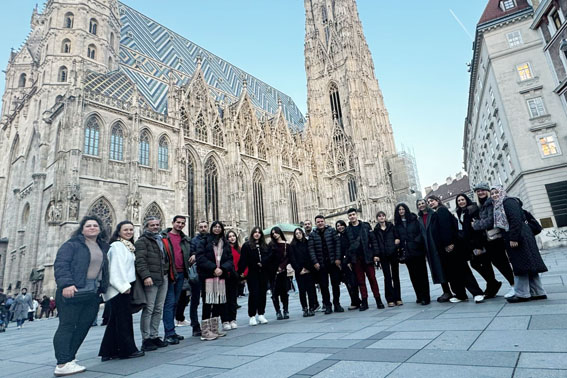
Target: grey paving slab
<point>509,323</point>
<point>427,315</point>
<point>387,355</point>
<point>549,322</point>
<point>454,340</point>
<point>380,335</point>
<point>245,339</point>
<point>325,350</point>
<point>274,344</point>
<point>539,373</point>
<point>424,335</point>
<point>316,368</point>
<point>205,372</point>
<point>363,343</point>
<point>332,335</point>
<point>276,365</point>
<point>362,369</point>
<point>450,371</point>
<point>342,343</point>
<point>442,325</point>
<point>223,361</point>
<point>536,308</point>
<point>524,341</point>
<point>296,350</point>
<point>165,370</point>
<point>365,332</point>
<point>463,357</point>
<point>543,360</point>
<point>399,344</point>
<point>465,315</point>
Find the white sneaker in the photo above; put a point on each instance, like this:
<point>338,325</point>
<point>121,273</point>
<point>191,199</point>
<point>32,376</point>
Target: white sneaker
<point>226,326</point>
<point>510,293</point>
<point>455,300</point>
<point>478,298</point>
<point>262,319</point>
<point>253,321</point>
<point>184,323</point>
<point>68,369</point>
<point>233,324</point>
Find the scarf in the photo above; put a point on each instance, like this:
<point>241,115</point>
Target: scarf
<point>500,219</point>
<point>128,244</point>
<point>215,288</point>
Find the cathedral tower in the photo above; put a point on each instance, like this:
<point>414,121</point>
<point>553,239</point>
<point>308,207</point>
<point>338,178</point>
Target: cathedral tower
<point>348,122</point>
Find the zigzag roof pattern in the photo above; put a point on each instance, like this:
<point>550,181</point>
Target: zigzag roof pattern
<point>152,56</point>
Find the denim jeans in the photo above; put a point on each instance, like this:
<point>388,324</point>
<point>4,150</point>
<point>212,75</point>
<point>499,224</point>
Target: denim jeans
<point>173,293</point>
<point>528,285</point>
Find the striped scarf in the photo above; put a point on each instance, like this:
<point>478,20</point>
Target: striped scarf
<point>215,288</point>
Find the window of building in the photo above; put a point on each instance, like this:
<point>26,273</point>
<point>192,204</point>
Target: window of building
<point>258,194</point>
<point>514,38</point>
<point>163,153</point>
<point>556,19</point>
<point>218,139</point>
<point>62,76</point>
<point>111,40</point>
<point>557,194</point>
<point>293,208</point>
<point>66,46</point>
<point>154,211</point>
<point>91,52</point>
<point>336,111</point>
<point>22,80</point>
<point>68,20</point>
<point>191,221</point>
<point>211,190</point>
<point>548,145</point>
<point>504,172</point>
<point>200,128</point>
<point>116,143</point>
<point>500,127</point>
<point>144,148</point>
<point>507,4</point>
<point>352,191</point>
<point>248,144</point>
<point>491,95</point>
<point>261,150</point>
<point>93,25</point>
<point>92,135</point>
<point>535,105</point>
<point>510,164</point>
<point>524,71</point>
<point>496,141</point>
<point>103,211</point>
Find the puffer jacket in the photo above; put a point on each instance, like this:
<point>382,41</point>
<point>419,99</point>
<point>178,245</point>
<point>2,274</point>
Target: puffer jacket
<point>486,216</point>
<point>386,240</point>
<point>149,261</point>
<point>368,243</point>
<point>411,236</point>
<point>332,243</point>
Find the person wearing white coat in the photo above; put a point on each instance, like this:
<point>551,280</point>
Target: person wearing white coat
<point>118,340</point>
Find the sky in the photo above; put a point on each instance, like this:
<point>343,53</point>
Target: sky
<point>420,50</point>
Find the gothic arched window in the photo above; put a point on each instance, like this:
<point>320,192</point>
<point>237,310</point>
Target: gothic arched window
<point>248,145</point>
<point>293,208</point>
<point>218,139</point>
<point>163,153</point>
<point>68,21</point>
<point>62,76</point>
<point>102,209</point>
<point>294,161</point>
<point>66,46</point>
<point>93,25</point>
<point>91,52</point>
<point>92,136</point>
<point>261,150</point>
<point>352,191</point>
<point>184,122</point>
<point>258,197</point>
<point>22,81</point>
<point>144,147</point>
<point>285,157</point>
<point>211,190</point>
<point>111,43</point>
<point>336,111</point>
<point>191,195</point>
<point>116,143</point>
<point>200,128</point>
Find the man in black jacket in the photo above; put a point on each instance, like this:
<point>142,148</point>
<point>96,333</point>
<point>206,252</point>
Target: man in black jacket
<point>363,254</point>
<point>325,252</point>
<point>203,230</point>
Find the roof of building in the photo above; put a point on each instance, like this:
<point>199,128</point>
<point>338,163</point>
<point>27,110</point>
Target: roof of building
<point>448,191</point>
<point>151,55</point>
<point>493,11</point>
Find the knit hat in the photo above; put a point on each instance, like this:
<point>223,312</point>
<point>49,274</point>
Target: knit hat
<point>482,186</point>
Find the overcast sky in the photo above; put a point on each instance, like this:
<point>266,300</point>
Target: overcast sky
<point>420,50</point>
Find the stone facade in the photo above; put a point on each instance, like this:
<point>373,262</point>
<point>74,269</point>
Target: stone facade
<point>94,126</point>
<point>515,130</point>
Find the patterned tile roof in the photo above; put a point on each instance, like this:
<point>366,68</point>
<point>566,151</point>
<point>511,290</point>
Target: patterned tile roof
<point>151,55</point>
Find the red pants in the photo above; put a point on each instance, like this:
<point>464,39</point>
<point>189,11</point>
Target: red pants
<point>361,268</point>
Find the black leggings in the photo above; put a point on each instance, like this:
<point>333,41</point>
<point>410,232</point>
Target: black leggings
<point>417,269</point>
<point>280,288</point>
<point>306,286</point>
<point>257,288</point>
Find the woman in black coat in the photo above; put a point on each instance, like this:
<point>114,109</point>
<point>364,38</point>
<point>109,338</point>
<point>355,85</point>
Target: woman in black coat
<point>385,237</point>
<point>302,265</point>
<point>473,242</point>
<point>255,256</point>
<point>278,278</point>
<point>348,276</point>
<point>409,238</point>
<point>214,264</point>
<point>444,230</point>
<point>521,246</point>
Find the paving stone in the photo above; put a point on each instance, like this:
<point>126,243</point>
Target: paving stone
<point>399,344</point>
<point>450,371</point>
<point>363,344</point>
<point>205,372</point>
<point>265,347</point>
<point>465,315</point>
<point>539,373</point>
<point>364,333</point>
<point>509,323</point>
<point>317,367</point>
<point>295,350</point>
<point>543,360</point>
<point>549,322</point>
<point>380,335</point>
<point>538,308</point>
<point>223,361</point>
<point>442,325</point>
<point>427,315</point>
<point>423,335</point>
<point>386,355</point>
<point>245,339</point>
<point>165,370</point>
<point>324,350</point>
<point>342,343</point>
<point>454,340</point>
<point>276,365</point>
<point>463,357</point>
<point>332,336</point>
<point>357,369</point>
<point>523,341</point>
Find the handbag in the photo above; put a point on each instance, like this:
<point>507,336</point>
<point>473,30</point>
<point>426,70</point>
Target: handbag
<point>402,255</point>
<point>493,234</point>
<point>193,275</point>
<point>532,223</point>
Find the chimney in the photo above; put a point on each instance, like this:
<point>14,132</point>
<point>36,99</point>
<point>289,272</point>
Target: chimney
<point>435,186</point>
<point>459,176</point>
<point>449,180</point>
<point>428,190</point>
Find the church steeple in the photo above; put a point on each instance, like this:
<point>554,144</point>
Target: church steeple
<point>347,116</point>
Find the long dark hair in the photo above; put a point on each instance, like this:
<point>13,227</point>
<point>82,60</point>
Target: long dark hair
<point>277,230</point>
<point>296,240</point>
<point>235,245</point>
<point>467,199</point>
<point>116,234</point>
<point>79,231</point>
<point>397,217</point>
<point>252,241</point>
<point>215,236</point>
<point>342,223</point>
<point>436,198</point>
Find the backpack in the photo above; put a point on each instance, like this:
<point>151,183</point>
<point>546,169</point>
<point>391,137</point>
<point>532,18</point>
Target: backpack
<point>532,223</point>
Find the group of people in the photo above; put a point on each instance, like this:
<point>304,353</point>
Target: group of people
<point>23,307</point>
<point>153,273</point>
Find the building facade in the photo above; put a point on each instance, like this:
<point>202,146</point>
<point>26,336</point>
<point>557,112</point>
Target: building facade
<point>107,112</point>
<point>449,190</point>
<point>516,126</point>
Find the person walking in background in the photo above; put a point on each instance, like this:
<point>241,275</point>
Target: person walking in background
<point>153,267</point>
<point>229,316</point>
<point>81,275</point>
<point>362,257</point>
<point>202,231</point>
<point>385,237</point>
<point>44,305</point>
<point>22,304</point>
<point>32,312</point>
<point>52,307</point>
<point>255,258</point>
<point>348,276</point>
<point>215,264</point>
<point>521,245</point>
<point>278,249</point>
<point>118,340</point>
<point>301,263</point>
<point>495,245</point>
<point>410,242</point>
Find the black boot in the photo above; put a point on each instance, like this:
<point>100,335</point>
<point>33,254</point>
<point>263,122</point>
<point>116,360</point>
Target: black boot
<point>305,312</point>
<point>196,330</point>
<point>285,302</point>
<point>363,305</point>
<point>279,315</point>
<point>339,308</point>
<point>492,289</point>
<point>379,303</point>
